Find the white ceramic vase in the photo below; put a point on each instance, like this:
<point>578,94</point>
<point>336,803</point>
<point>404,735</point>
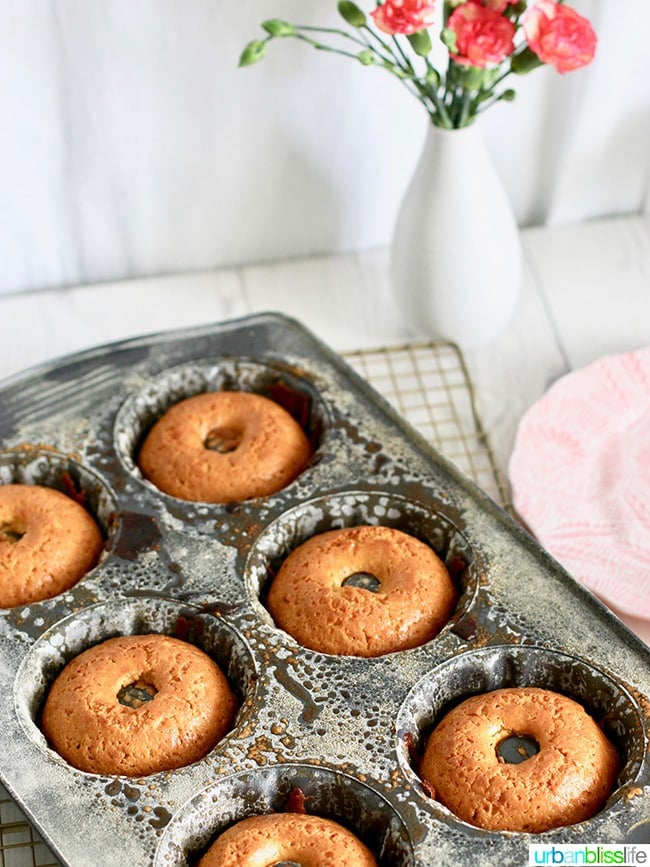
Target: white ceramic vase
<point>456,253</point>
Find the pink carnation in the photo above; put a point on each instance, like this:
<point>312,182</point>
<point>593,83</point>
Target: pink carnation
<point>483,36</point>
<point>559,36</point>
<point>404,16</point>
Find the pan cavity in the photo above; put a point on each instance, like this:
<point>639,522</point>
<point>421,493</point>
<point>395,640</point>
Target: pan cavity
<point>287,788</point>
<point>290,389</point>
<point>135,616</point>
<point>429,524</point>
<point>478,672</point>
<point>43,563</point>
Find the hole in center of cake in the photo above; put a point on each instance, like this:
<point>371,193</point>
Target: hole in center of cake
<point>223,440</point>
<point>362,580</point>
<point>286,864</point>
<point>515,749</point>
<point>12,532</point>
<point>136,694</point>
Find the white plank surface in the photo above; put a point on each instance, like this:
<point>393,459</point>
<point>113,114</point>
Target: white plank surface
<point>345,300</point>
<point>585,293</point>
<point>38,326</point>
<point>596,279</point>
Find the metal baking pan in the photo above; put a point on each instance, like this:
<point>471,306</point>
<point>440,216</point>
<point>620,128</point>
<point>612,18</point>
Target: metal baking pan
<point>340,732</point>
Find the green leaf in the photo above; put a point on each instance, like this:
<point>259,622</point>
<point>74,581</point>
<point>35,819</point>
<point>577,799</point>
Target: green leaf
<point>420,42</point>
<point>253,52</point>
<point>366,57</point>
<point>351,13</point>
<point>278,27</point>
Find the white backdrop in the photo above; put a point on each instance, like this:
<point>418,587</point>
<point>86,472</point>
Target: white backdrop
<point>132,144</point>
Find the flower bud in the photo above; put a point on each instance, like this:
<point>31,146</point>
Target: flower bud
<point>351,13</point>
<point>432,76</point>
<point>525,61</point>
<point>366,57</point>
<point>448,39</point>
<point>277,27</point>
<point>253,52</point>
<point>420,42</point>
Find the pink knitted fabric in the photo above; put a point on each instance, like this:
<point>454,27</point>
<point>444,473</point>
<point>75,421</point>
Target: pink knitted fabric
<point>580,475</point>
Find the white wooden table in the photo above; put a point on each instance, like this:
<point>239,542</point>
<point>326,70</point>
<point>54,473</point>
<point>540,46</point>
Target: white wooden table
<point>585,294</point>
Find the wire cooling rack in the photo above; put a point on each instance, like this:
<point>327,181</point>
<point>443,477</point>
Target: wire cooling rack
<point>429,385</point>
<point>20,845</point>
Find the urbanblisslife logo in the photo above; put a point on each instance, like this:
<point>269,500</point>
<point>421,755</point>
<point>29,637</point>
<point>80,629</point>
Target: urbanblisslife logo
<point>628,855</point>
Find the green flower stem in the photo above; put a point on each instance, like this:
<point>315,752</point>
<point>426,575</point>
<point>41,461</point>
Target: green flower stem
<point>406,66</point>
<point>419,91</point>
<point>486,97</point>
<point>395,61</point>
<point>412,85</point>
<point>320,46</point>
<point>414,88</point>
<point>463,112</point>
<point>363,42</point>
<point>438,101</point>
<point>442,118</point>
<point>407,63</point>
<point>389,57</point>
<point>497,81</point>
<point>479,109</point>
<point>450,92</point>
<point>333,31</point>
<point>382,49</point>
<point>450,97</point>
<point>409,79</point>
<point>384,45</point>
<point>439,115</point>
